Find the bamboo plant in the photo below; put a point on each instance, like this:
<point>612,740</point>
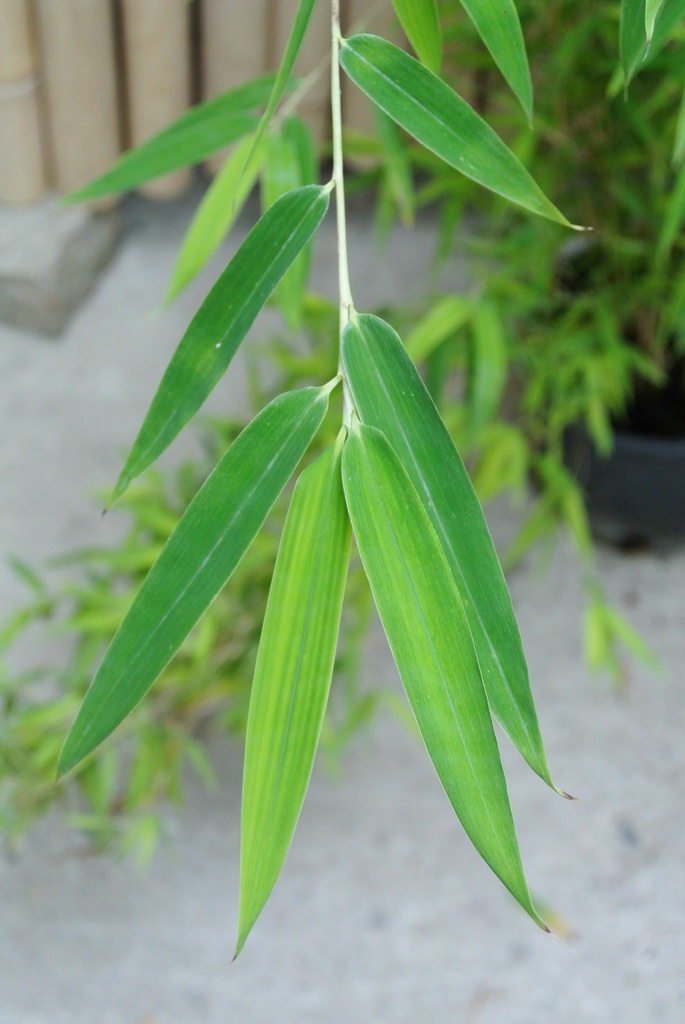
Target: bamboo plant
<point>393,478</point>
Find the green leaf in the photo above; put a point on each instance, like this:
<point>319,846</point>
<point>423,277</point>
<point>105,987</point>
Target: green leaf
<point>196,562</point>
<point>499,27</point>
<point>396,166</point>
<point>652,8</point>
<point>292,48</point>
<point>441,321</point>
<point>634,47</point>
<point>488,366</point>
<point>291,163</point>
<point>205,129</point>
<point>292,677</point>
<point>441,120</point>
<point>679,140</point>
<point>674,218</point>
<point>220,206</point>
<point>421,24</point>
<point>390,396</point>
<point>424,620</point>
<point>223,320</point>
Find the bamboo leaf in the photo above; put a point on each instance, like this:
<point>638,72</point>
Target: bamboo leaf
<point>223,320</point>
<point>292,677</point>
<point>291,163</point>
<point>421,24</point>
<point>674,219</point>
<point>200,132</point>
<point>424,620</point>
<point>396,166</point>
<point>437,117</point>
<point>292,48</point>
<point>202,552</point>
<point>636,50</point>
<point>679,140</point>
<point>499,27</point>
<point>390,396</point>
<point>488,366</point>
<point>442,321</point>
<point>652,8</point>
<point>220,206</point>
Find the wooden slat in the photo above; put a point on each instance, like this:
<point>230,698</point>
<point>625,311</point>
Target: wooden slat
<point>158,76</point>
<point>22,172</point>
<point>77,43</point>
<point>234,47</point>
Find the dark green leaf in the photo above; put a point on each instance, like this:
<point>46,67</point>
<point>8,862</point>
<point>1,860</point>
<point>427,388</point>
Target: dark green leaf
<point>390,395</point>
<point>635,49</point>
<point>441,120</point>
<point>196,561</point>
<point>223,320</point>
<point>429,635</point>
<point>500,29</point>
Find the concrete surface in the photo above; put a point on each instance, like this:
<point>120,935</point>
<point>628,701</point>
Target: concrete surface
<point>50,257</point>
<point>383,914</point>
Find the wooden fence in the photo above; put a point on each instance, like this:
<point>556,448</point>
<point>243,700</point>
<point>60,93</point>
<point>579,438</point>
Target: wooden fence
<point>81,80</point>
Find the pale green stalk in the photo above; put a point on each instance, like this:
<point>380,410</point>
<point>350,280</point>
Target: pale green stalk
<point>345,291</point>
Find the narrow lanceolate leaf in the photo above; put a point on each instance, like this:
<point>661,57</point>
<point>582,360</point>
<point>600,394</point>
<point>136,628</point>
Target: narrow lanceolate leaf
<point>292,677</point>
<point>205,129</point>
<point>221,204</point>
<point>635,48</point>
<point>421,23</point>
<point>652,8</point>
<point>391,396</point>
<point>498,25</point>
<point>196,561</point>
<point>429,635</point>
<point>441,120</point>
<point>223,320</point>
<point>679,139</point>
<point>292,48</point>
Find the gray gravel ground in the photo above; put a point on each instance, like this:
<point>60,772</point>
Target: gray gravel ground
<point>384,914</point>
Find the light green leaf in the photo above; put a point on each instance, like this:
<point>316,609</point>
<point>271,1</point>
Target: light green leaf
<point>291,162</point>
<point>498,25</point>
<point>634,47</point>
<point>223,320</point>
<point>220,206</point>
<point>441,321</point>
<point>421,23</point>
<point>488,366</point>
<point>429,635</point>
<point>390,395</point>
<point>202,552</point>
<point>441,120</point>
<point>396,166</point>
<point>292,48</point>
<point>292,677</point>
<point>205,129</point>
<point>652,8</point>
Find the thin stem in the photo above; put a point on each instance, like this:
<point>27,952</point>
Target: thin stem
<point>345,290</point>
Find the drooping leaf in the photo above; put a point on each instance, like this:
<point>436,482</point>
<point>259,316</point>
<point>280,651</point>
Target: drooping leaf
<point>499,27</point>
<point>424,620</point>
<point>195,563</point>
<point>391,396</point>
<point>220,206</point>
<point>635,49</point>
<point>292,677</point>
<point>200,132</point>
<point>292,48</point>
<point>441,120</point>
<point>421,23</point>
<point>223,320</point>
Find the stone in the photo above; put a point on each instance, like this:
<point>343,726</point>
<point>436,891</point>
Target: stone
<point>50,257</point>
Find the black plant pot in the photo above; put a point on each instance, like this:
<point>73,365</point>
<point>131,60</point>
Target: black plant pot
<point>636,495</point>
